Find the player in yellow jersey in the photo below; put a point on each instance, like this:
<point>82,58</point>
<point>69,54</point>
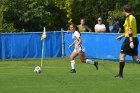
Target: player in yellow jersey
<point>130,44</point>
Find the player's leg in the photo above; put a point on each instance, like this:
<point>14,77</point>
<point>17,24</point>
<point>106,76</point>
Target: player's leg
<point>121,65</point>
<point>136,59</point>
<point>82,56</point>
<point>72,61</point>
<point>135,51</point>
<point>89,61</point>
<point>125,49</point>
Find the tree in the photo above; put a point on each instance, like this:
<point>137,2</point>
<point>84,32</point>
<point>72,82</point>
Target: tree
<point>33,15</point>
<point>26,15</point>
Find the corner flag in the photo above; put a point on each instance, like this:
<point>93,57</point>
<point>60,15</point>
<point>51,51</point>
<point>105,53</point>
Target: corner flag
<point>42,38</point>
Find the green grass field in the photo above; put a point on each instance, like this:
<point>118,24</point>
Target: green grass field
<point>17,76</point>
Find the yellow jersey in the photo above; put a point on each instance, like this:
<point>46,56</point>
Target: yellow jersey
<point>130,22</point>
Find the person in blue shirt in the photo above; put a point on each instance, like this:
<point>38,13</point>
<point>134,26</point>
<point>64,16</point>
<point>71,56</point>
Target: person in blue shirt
<point>113,27</point>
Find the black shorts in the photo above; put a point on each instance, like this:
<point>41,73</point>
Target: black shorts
<point>125,48</point>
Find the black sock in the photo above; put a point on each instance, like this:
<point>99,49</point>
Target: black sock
<point>121,66</point>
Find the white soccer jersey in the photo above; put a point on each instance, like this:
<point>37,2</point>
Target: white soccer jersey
<point>75,37</point>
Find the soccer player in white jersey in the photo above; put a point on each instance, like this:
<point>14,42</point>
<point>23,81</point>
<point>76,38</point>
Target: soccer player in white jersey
<point>78,50</point>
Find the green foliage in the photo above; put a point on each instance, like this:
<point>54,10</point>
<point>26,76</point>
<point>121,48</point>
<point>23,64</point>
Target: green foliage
<point>1,18</point>
<point>66,5</point>
<point>27,14</point>
<point>33,15</point>
<point>8,28</point>
<point>1,13</point>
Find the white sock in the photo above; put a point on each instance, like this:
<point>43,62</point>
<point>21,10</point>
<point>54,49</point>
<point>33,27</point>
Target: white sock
<point>89,61</point>
<point>72,64</point>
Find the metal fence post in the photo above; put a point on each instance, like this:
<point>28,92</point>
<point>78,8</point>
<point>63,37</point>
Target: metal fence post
<point>62,35</point>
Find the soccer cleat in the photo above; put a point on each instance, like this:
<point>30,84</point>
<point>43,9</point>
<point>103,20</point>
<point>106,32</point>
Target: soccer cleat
<point>118,76</point>
<point>96,65</point>
<point>73,71</point>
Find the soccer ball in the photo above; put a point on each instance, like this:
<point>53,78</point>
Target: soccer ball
<point>37,69</point>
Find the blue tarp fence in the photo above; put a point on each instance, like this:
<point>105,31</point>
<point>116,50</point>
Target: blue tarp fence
<point>99,45</point>
<point>29,45</point>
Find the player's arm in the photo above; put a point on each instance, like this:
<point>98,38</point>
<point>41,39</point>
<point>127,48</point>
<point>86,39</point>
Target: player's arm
<point>130,31</point>
<point>120,37</point>
<point>71,44</point>
<point>79,42</point>
<point>131,38</point>
<point>130,35</point>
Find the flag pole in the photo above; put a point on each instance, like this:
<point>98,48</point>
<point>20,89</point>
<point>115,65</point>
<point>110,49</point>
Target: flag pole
<point>42,38</point>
